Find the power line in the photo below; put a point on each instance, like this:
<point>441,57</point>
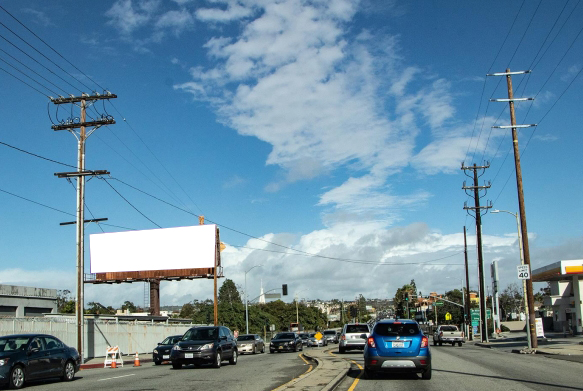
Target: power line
<point>59,54</point>
<point>358,261</point>
<point>22,81</point>
<point>129,203</point>
<point>158,160</point>
<point>35,155</point>
<point>42,54</point>
<point>58,210</point>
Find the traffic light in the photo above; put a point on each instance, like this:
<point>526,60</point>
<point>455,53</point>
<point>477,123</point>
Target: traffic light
<point>284,289</point>
<point>406,296</point>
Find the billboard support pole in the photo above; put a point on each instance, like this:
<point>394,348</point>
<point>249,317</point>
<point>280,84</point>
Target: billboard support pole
<point>217,263</point>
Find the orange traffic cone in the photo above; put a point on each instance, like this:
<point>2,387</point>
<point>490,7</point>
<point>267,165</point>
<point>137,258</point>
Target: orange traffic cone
<point>137,361</point>
<point>114,363</point>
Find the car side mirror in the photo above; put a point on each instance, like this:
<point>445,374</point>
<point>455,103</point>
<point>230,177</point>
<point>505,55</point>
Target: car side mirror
<point>363,336</point>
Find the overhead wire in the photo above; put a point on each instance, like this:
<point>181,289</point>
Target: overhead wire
<point>47,58</point>
<point>32,70</point>
<point>22,81</point>
<point>129,203</point>
<point>50,47</point>
<point>359,261</point>
<point>156,157</point>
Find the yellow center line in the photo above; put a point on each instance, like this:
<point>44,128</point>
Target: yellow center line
<point>355,382</point>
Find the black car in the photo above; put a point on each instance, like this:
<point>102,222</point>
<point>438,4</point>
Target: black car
<point>286,342</point>
<point>162,351</point>
<point>204,345</point>
<point>25,357</point>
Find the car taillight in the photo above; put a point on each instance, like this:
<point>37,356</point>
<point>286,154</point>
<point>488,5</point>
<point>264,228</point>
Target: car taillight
<point>441,333</point>
<point>371,343</point>
<point>462,334</point>
<point>424,342</point>
<point>343,337</point>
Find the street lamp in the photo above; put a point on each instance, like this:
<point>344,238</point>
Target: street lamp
<point>246,296</point>
<point>522,263</point>
<point>297,310</point>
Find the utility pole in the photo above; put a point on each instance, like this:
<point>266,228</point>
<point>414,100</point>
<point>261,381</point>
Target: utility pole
<point>477,209</point>
<point>467,317</point>
<point>81,135</point>
<point>520,191</point>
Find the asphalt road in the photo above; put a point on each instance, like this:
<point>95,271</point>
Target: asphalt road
<point>474,368</point>
<point>251,373</point>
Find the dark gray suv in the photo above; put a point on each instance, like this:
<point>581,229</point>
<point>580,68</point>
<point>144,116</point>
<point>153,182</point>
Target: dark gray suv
<point>205,345</point>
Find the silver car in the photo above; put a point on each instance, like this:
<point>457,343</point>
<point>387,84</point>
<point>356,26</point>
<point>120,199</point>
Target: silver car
<point>352,336</point>
<point>250,343</point>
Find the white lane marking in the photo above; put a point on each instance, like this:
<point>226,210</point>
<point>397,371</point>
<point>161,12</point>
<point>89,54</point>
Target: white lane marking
<point>116,377</point>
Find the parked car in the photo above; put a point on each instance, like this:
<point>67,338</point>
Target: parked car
<point>397,346</point>
<point>162,351</point>
<point>250,343</point>
<point>352,336</point>
<point>25,357</point>
<point>305,337</point>
<point>286,342</point>
<point>448,334</point>
<point>203,345</point>
<point>331,336</point>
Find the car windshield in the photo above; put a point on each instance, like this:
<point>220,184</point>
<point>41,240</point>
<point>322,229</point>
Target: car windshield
<point>200,334</point>
<point>285,336</point>
<point>304,335</point>
<point>357,328</point>
<point>392,329</point>
<point>448,328</point>
<point>13,344</point>
<point>171,340</point>
<point>245,338</point>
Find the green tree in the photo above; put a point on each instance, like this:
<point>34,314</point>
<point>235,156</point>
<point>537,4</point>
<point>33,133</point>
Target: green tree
<point>99,309</point>
<point>65,303</point>
<point>511,300</point>
<point>128,305</point>
<point>399,300</point>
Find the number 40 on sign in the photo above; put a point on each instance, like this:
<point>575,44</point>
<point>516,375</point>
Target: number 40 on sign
<point>523,272</point>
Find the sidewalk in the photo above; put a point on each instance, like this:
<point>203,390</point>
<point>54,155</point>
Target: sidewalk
<point>328,373</point>
<point>128,360</point>
<point>555,344</point>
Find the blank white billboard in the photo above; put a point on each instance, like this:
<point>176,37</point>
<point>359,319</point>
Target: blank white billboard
<point>155,249</point>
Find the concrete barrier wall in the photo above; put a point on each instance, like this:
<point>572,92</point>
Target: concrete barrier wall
<point>131,337</point>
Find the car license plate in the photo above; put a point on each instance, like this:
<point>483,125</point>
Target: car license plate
<point>281,347</point>
<point>166,357</point>
<point>398,344</point>
<point>188,355</point>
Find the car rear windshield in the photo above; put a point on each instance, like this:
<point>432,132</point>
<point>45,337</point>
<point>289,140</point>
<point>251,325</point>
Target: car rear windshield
<point>448,328</point>
<point>200,334</point>
<point>390,329</point>
<point>245,338</point>
<point>330,332</point>
<point>357,328</point>
<point>285,336</point>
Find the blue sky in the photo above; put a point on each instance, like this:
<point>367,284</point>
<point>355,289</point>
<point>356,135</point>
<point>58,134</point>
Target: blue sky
<point>335,128</point>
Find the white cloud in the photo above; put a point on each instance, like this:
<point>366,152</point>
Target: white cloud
<point>234,11</point>
<point>178,21</point>
<point>128,16</point>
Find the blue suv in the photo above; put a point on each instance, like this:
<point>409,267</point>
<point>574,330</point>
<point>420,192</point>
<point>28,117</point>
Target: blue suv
<point>397,345</point>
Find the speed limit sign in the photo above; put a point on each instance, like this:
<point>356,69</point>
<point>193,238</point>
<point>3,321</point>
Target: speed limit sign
<point>523,272</point>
